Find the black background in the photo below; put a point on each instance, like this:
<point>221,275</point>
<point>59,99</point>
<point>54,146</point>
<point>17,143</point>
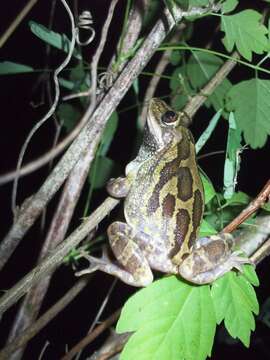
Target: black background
<point>18,92</point>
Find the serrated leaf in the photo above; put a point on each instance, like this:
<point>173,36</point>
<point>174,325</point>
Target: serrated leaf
<point>235,302</point>
<point>174,320</point>
<point>201,67</point>
<point>209,191</point>
<point>59,41</point>
<point>245,31</point>
<point>232,161</point>
<point>250,274</point>
<point>250,101</point>
<point>9,67</point>
<point>229,5</point>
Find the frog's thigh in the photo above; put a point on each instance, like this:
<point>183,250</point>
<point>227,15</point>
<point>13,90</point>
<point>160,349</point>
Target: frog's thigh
<point>129,255</point>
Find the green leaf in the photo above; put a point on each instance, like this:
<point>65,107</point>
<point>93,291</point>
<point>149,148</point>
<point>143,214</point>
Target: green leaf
<point>175,57</point>
<point>232,161</point>
<point>198,2</point>
<point>229,5</point>
<point>9,67</point>
<point>101,172</point>
<point>108,134</point>
<point>206,229</point>
<point>174,320</point>
<point>235,302</point>
<point>59,41</point>
<point>245,31</point>
<point>250,274</point>
<point>209,191</point>
<point>238,198</point>
<point>250,101</point>
<point>201,68</point>
<point>68,115</point>
<point>208,131</point>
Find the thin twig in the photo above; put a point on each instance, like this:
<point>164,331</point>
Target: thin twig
<point>55,259</point>
<point>34,329</point>
<point>90,337</point>
<point>16,22</point>
<point>250,209</point>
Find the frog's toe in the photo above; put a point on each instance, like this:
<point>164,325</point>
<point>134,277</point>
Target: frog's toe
<point>94,264</point>
<point>236,261</point>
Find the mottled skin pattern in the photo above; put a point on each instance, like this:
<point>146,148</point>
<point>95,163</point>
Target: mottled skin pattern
<point>163,208</point>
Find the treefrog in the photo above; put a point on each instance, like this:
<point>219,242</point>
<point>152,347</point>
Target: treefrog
<point>163,207</point>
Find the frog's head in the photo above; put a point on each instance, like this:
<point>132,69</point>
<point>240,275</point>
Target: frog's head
<point>161,120</point>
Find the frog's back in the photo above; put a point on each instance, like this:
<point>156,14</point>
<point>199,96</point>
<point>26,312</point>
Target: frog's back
<point>166,196</point>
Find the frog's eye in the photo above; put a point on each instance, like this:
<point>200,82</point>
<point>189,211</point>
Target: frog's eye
<point>169,117</point>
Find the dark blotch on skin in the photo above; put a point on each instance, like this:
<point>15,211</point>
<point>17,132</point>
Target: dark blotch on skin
<point>182,224</point>
<point>196,216</point>
<point>184,183</point>
<point>168,172</point>
<point>168,206</point>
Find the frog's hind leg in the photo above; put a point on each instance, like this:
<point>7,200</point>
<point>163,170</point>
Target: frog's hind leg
<point>134,269</point>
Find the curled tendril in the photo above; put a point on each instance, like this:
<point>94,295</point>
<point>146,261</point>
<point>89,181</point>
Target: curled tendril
<point>105,80</point>
<point>85,21</point>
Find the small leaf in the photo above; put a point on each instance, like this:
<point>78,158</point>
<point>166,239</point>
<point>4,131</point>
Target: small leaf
<point>9,67</point>
<point>174,320</point>
<point>209,191</point>
<point>250,101</point>
<point>175,57</point>
<point>101,172</point>
<point>229,5</point>
<point>250,274</point>
<point>208,131</point>
<point>235,302</point>
<point>232,161</point>
<point>238,198</point>
<point>108,134</point>
<point>59,41</point>
<point>245,31</point>
<point>206,229</point>
<point>196,3</point>
<point>69,116</point>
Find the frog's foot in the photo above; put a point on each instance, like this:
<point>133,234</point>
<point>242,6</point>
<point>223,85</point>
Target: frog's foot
<point>94,263</point>
<point>211,260</point>
<point>236,262</point>
<point>119,187</point>
<point>106,265</point>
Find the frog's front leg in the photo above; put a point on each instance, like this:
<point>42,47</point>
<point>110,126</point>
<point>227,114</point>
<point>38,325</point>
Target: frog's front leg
<point>135,269</point>
<point>210,259</point>
<point>118,187</point>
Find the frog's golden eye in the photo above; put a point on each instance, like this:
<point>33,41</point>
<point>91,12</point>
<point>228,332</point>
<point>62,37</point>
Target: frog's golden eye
<point>169,117</point>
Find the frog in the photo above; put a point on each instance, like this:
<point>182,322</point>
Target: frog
<point>163,208</point>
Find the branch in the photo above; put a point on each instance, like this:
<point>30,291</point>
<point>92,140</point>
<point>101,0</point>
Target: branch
<point>34,329</point>
<point>91,133</point>
<point>250,209</point>
<point>90,337</point>
<point>55,259</point>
